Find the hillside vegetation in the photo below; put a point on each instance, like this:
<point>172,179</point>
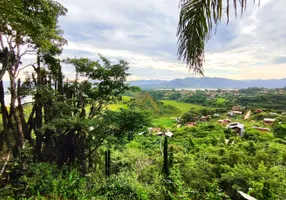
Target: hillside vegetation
<point>89,135</point>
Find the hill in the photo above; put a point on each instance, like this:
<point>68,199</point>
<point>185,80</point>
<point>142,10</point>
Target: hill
<point>209,83</point>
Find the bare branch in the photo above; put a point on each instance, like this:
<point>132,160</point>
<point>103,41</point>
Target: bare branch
<point>29,65</point>
<point>9,42</point>
<point>1,41</point>
<point>6,162</point>
<point>27,51</point>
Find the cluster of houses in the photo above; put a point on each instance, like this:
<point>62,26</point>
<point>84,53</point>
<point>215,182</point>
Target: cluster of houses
<point>238,127</point>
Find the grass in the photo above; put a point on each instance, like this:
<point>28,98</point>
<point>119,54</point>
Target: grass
<point>115,107</point>
<point>183,107</point>
<point>164,122</point>
<point>118,105</point>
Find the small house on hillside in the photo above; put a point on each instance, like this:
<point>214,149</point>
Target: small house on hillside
<point>268,121</point>
<point>261,129</point>
<point>216,115</point>
<point>258,111</point>
<point>178,120</point>
<point>232,113</point>
<point>236,108</point>
<point>167,133</point>
<point>190,124</point>
<point>154,129</point>
<point>224,121</point>
<point>205,118</point>
<point>237,127</point>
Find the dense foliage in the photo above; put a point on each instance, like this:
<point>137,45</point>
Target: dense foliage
<point>203,166</point>
<point>254,98</point>
<point>69,144</point>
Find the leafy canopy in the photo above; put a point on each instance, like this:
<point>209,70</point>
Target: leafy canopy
<point>33,22</point>
<point>197,19</point>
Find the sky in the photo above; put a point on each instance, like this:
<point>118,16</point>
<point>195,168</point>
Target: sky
<point>144,34</point>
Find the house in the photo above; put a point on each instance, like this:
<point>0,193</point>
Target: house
<point>205,118</point>
<point>236,108</point>
<point>190,124</point>
<point>232,113</point>
<point>178,120</point>
<point>224,121</point>
<point>273,113</point>
<point>216,115</point>
<point>268,121</point>
<point>237,127</point>
<point>153,129</point>
<point>258,111</point>
<point>284,113</point>
<point>168,133</point>
<point>261,129</point>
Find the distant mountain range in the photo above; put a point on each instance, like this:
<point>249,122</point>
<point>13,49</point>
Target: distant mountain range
<point>208,83</point>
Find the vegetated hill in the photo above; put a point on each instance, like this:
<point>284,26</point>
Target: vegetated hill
<point>147,82</point>
<point>209,83</point>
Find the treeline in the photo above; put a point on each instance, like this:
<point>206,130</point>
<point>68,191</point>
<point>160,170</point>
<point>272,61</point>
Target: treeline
<point>275,102</point>
<point>67,122</point>
<point>252,98</point>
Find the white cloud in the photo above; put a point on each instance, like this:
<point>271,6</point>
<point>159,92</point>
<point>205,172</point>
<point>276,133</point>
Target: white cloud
<point>144,34</point>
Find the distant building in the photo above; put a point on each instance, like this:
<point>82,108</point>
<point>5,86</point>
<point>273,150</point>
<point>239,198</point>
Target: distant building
<point>232,113</point>
<point>261,129</point>
<point>237,112</point>
<point>224,121</point>
<point>216,115</point>
<point>237,127</point>
<point>258,111</point>
<point>236,108</point>
<point>168,133</point>
<point>205,118</point>
<point>190,124</point>
<point>268,121</point>
<point>153,129</point>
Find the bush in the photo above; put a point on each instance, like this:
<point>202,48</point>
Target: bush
<point>45,181</point>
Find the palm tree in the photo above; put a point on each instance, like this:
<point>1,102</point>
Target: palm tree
<point>197,19</point>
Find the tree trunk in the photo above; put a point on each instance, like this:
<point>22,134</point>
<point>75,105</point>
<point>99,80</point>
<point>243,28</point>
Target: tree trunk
<point>5,62</point>
<point>166,161</point>
<point>4,117</point>
<point>22,116</point>
<point>19,136</point>
<point>39,113</point>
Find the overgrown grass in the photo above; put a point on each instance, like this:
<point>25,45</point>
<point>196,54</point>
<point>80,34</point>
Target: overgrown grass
<point>121,104</point>
<point>184,107</point>
<point>115,107</point>
<point>166,122</point>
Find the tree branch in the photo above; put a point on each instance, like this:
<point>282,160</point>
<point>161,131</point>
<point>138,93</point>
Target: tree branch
<point>27,51</point>
<point>6,162</point>
<point>1,41</point>
<point>31,64</point>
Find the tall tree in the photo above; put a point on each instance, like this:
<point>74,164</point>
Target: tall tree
<point>197,19</point>
<point>26,27</point>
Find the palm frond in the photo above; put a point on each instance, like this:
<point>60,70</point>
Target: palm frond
<point>197,19</point>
